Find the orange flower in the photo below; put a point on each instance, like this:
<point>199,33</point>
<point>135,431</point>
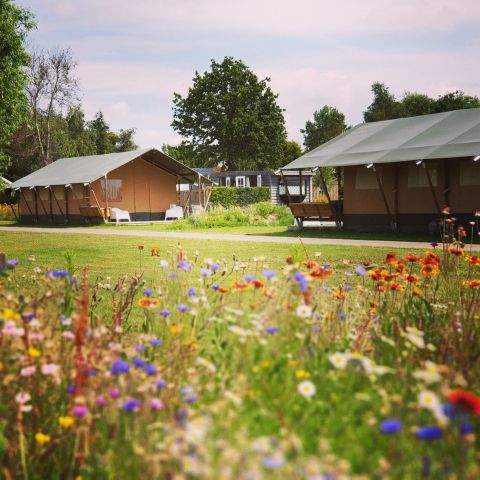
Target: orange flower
<point>223,290</point>
<point>395,286</point>
<point>239,286</point>
<point>417,292</point>
<point>141,247</point>
<point>473,260</point>
<point>339,295</point>
<point>412,258</point>
<point>321,272</point>
<point>257,283</point>
<point>147,302</point>
<point>465,400</point>
<point>471,283</point>
<point>391,258</point>
<point>430,270</point>
<point>310,264</point>
<point>411,278</point>
<point>380,288</point>
<point>457,251</point>
<point>430,258</point>
<point>155,252</point>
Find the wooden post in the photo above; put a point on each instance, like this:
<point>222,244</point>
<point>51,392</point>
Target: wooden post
<point>327,194</point>
<point>58,204</point>
<point>200,191</point>
<point>106,197</point>
<point>51,204</point>
<point>432,188</point>
<point>13,211</point>
<point>446,183</point>
<point>300,181</point>
<point>339,182</point>
<point>382,191</point>
<point>96,201</point>
<point>66,204</point>
<point>187,201</point>
<point>395,194</point>
<point>149,203</point>
<point>284,180</point>
<point>36,204</point>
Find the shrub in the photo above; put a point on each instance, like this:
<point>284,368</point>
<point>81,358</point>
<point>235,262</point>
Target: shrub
<point>6,211</point>
<point>234,196</point>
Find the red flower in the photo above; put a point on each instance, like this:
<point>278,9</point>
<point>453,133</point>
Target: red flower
<point>412,258</point>
<point>391,258</point>
<point>473,260</point>
<point>466,400</point>
<point>257,283</point>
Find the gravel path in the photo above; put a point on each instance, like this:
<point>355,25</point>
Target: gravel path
<point>222,237</point>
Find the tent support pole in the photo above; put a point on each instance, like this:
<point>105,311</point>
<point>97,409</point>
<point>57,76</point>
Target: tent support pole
<point>96,201</point>
<point>187,201</point>
<point>300,181</point>
<point>446,183</point>
<point>382,191</point>
<point>51,204</point>
<point>35,217</point>
<point>395,195</point>
<point>432,189</point>
<point>106,197</point>
<point>284,180</point>
<point>58,204</point>
<point>13,211</point>
<point>66,204</point>
<point>327,194</point>
<point>41,203</point>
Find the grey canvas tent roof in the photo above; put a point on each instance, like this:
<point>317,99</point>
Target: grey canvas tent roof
<point>440,135</point>
<point>88,169</point>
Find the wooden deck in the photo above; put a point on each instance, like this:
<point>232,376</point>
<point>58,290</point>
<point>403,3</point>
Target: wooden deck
<point>317,211</point>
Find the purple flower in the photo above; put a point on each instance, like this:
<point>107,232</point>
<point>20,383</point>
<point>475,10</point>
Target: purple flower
<point>101,401</point>
<point>164,313</point>
<point>183,308</point>
<point>57,274</point>
<point>73,281</point>
<point>79,411</point>
<point>91,372</point>
<point>301,280</point>
<point>269,274</point>
<point>271,330</point>
<point>131,405</point>
<point>140,348</point>
<point>161,383</point>
<point>155,342</point>
<point>466,428</point>
<point>361,270</point>
<point>205,272</point>
<point>11,264</point>
<point>190,398</point>
<point>181,416</point>
<point>150,369</point>
<point>172,275</point>
<point>28,316</point>
<point>429,432</point>
<point>342,316</point>
<point>434,244</point>
<point>114,392</point>
<point>119,367</point>
<point>148,292</point>
<point>215,287</point>
<point>156,404</point>
<point>214,267</point>
<point>273,462</point>
<point>390,426</point>
<point>138,362</point>
<point>316,328</point>
<point>248,278</point>
<point>71,389</point>
<point>192,292</point>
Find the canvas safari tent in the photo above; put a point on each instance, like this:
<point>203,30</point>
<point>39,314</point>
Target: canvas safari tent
<point>400,174</point>
<point>143,182</point>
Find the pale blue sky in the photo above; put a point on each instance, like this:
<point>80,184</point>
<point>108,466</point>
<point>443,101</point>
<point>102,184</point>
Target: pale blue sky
<point>133,55</point>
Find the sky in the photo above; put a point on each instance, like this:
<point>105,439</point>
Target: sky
<point>133,55</point>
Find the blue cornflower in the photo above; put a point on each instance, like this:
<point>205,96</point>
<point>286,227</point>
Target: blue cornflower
<point>11,264</point>
<point>316,328</point>
<point>466,428</point>
<point>269,274</point>
<point>148,292</point>
<point>150,369</point>
<point>172,275</point>
<point>273,462</point>
<point>131,405</point>
<point>138,362</point>
<point>190,398</point>
<point>342,316</point>
<point>164,313</point>
<point>73,281</point>
<point>248,278</point>
<point>301,280</point>
<point>71,389</point>
<point>361,270</point>
<point>140,348</point>
<point>28,316</point>
<point>183,308</point>
<point>214,267</point>
<point>192,292</point>
<point>215,287</point>
<point>161,383</point>
<point>391,425</point>
<point>205,272</point>
<point>272,330</point>
<point>155,342</point>
<point>429,432</point>
<point>119,367</point>
<point>57,273</point>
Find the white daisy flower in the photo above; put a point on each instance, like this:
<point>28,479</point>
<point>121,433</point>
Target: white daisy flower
<point>306,389</point>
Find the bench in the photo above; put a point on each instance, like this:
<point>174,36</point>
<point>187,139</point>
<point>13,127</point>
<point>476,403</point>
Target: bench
<point>316,211</point>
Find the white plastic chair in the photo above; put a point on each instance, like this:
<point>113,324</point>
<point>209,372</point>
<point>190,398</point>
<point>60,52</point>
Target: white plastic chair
<point>174,213</point>
<point>117,215</point>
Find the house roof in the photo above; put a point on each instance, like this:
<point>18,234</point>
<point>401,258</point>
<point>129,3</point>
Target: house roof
<point>89,168</point>
<point>440,135</point>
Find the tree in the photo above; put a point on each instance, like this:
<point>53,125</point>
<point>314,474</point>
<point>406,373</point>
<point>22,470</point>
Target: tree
<point>327,123</point>
<point>384,105</point>
<point>184,153</point>
<point>51,89</point>
<point>230,117</point>
<point>291,151</point>
<point>415,104</point>
<point>455,101</point>
<point>15,22</point>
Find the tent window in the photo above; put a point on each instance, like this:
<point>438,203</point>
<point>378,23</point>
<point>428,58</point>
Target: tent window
<point>469,173</point>
<point>417,178</point>
<point>366,179</point>
<point>114,189</point>
<point>78,192</point>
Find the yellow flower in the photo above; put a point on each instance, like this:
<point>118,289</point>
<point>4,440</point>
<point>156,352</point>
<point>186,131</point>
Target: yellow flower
<point>302,374</point>
<point>33,352</point>
<point>9,314</point>
<point>175,330</point>
<point>265,363</point>
<point>66,422</point>
<point>292,364</point>
<point>41,438</point>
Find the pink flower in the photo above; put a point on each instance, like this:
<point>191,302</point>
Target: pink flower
<point>22,397</point>
<point>50,369</point>
<point>156,404</point>
<point>68,335</point>
<point>11,328</point>
<point>79,411</point>
<point>101,401</point>
<point>36,337</point>
<point>28,371</point>
<point>114,392</point>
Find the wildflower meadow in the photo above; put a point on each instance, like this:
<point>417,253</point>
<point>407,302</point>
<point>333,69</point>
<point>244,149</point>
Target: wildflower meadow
<point>218,369</point>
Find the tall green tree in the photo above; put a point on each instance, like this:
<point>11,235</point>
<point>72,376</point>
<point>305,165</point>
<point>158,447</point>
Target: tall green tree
<point>327,123</point>
<point>15,22</point>
<point>230,117</point>
<point>384,105</point>
<point>291,151</point>
<point>455,101</point>
<point>415,104</point>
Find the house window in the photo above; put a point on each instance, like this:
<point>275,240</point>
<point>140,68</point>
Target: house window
<point>469,173</point>
<point>259,180</point>
<point>366,179</point>
<point>114,189</point>
<point>227,181</point>
<point>417,178</point>
<point>240,181</point>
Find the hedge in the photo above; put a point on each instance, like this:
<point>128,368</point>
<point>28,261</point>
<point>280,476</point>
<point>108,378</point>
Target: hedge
<point>238,196</point>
